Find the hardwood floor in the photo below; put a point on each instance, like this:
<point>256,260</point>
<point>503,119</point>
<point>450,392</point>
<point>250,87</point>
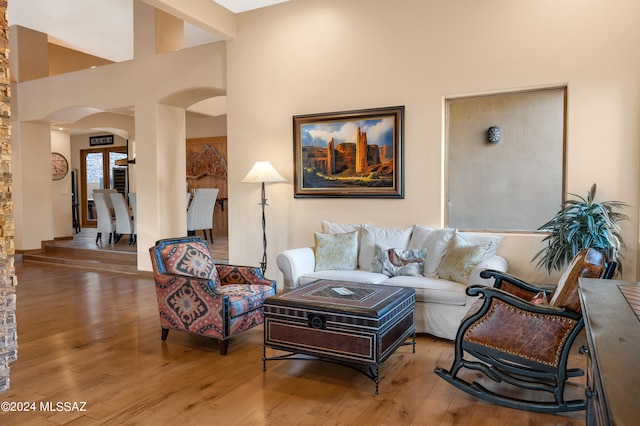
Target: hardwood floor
<point>93,337</point>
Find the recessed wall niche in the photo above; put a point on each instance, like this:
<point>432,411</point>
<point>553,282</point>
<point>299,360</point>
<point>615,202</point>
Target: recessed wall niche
<point>515,184</point>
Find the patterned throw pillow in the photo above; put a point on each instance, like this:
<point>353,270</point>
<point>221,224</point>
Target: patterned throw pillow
<point>393,262</point>
<point>190,259</point>
<point>461,259</point>
<point>336,251</point>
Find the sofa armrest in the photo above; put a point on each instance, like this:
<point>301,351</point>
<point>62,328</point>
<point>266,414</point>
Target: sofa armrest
<point>497,263</point>
<point>294,263</point>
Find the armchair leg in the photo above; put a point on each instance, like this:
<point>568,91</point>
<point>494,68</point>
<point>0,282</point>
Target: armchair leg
<point>224,345</point>
<point>165,333</point>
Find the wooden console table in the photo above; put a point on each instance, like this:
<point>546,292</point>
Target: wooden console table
<point>611,311</point>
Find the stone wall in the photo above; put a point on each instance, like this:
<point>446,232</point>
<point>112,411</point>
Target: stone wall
<point>8,336</point>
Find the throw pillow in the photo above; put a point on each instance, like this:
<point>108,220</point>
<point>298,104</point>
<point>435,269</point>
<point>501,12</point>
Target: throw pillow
<point>461,259</point>
<point>435,241</point>
<point>393,262</point>
<point>336,251</point>
<point>386,237</point>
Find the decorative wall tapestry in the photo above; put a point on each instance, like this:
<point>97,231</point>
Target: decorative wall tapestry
<point>206,162</point>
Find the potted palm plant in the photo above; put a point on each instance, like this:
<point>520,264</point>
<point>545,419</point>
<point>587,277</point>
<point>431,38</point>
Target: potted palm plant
<point>580,224</point>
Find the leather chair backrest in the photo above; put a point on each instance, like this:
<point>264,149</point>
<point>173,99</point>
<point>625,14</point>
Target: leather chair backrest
<point>589,263</point>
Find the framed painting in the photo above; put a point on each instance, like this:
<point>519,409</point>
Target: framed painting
<point>349,154</point>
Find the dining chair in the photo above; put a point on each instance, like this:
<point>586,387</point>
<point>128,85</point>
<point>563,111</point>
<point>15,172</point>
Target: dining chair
<point>107,198</point>
<point>133,200</point>
<point>124,223</point>
<point>200,212</point>
<point>106,222</point>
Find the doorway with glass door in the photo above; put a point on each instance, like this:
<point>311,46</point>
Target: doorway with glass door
<point>101,168</point>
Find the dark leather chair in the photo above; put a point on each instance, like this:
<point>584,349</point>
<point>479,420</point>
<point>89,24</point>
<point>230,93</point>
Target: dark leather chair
<point>511,339</point>
<point>198,296</point>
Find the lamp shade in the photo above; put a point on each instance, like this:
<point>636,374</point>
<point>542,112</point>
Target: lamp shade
<point>262,171</point>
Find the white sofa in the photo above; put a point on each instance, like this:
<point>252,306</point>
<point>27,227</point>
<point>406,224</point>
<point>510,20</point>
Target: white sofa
<point>453,260</point>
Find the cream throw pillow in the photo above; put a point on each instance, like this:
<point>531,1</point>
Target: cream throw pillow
<point>461,259</point>
<point>336,251</point>
<point>386,237</point>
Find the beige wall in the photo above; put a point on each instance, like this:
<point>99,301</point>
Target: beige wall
<point>309,56</point>
<point>61,189</point>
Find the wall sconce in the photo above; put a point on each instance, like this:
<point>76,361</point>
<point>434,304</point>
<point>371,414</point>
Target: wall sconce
<point>494,134</point>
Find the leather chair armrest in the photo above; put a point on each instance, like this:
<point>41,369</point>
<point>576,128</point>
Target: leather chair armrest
<point>513,285</point>
<point>489,293</point>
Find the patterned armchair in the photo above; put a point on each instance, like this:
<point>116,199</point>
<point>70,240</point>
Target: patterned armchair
<point>197,296</point>
<point>514,335</point>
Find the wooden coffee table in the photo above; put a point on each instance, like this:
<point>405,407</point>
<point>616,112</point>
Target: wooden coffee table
<point>358,325</point>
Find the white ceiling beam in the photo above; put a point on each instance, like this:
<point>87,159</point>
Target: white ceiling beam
<point>204,14</point>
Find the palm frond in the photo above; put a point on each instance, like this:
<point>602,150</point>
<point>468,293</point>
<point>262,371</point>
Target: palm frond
<point>579,224</point>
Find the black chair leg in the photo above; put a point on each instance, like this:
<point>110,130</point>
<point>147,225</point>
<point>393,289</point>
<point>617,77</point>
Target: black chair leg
<point>211,235</point>
<point>224,346</point>
<point>99,237</point>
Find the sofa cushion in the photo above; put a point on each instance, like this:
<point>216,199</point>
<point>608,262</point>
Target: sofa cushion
<point>480,239</point>
<point>338,228</point>
<point>432,290</point>
<point>336,251</point>
<point>364,277</point>
<point>461,259</point>
<point>435,241</point>
<point>392,261</point>
<point>386,237</point>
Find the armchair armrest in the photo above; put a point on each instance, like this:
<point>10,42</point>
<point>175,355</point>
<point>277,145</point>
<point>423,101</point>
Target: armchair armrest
<point>513,285</point>
<point>294,263</point>
<point>236,274</point>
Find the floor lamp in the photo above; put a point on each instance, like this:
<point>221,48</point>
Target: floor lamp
<point>263,172</point>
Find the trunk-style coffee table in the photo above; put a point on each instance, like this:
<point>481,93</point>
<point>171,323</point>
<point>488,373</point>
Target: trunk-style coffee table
<point>358,325</point>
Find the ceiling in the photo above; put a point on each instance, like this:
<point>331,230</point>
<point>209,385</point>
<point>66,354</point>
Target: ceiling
<point>102,28</point>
